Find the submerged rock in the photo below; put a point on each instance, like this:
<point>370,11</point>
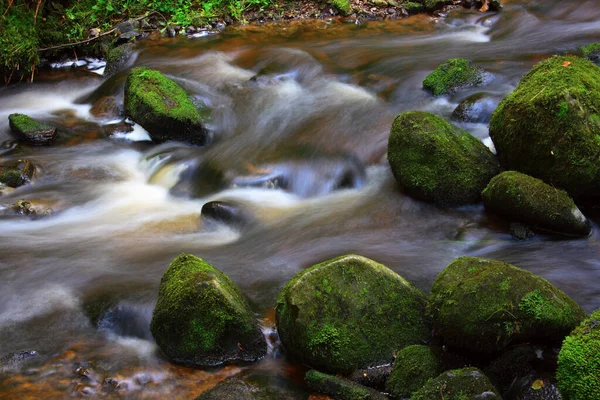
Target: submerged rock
<point>226,212</point>
<point>437,161</point>
<point>458,384</point>
<point>483,305</point>
<point>349,313</point>
<point>162,107</point>
<point>549,126</point>
<point>454,74</point>
<point>13,361</point>
<point>340,388</point>
<point>30,130</point>
<point>201,318</point>
<point>520,197</point>
<point>578,371</point>
<point>475,108</point>
<point>16,173</point>
<point>592,52</point>
<point>414,366</point>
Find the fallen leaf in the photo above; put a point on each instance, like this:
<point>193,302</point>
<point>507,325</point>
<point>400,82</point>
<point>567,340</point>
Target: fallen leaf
<point>240,347</point>
<point>537,384</point>
<point>566,63</point>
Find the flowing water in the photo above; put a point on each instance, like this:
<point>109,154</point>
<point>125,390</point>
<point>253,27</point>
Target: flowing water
<point>300,119</point>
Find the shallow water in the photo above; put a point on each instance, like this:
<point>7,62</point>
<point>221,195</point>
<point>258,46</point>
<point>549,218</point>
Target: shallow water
<point>318,113</point>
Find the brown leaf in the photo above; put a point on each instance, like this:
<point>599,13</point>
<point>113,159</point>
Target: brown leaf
<point>566,63</point>
<point>537,384</point>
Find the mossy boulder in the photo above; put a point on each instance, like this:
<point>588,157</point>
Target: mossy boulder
<point>549,126</point>
<point>592,52</point>
<point>349,313</point>
<point>454,74</point>
<point>16,173</point>
<point>117,57</point>
<point>163,108</point>
<point>522,198</point>
<point>201,318</point>
<point>458,384</point>
<point>340,388</point>
<point>578,371</point>
<point>482,306</point>
<point>30,130</point>
<point>413,367</point>
<point>434,160</point>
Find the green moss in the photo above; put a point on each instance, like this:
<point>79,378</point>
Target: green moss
<point>413,367</point>
<point>522,198</point>
<point>26,124</point>
<point>117,57</point>
<point>18,41</point>
<point>368,313</point>
<point>452,75</point>
<point>578,371</point>
<point>17,173</point>
<point>547,127</point>
<point>343,6</point>
<point>436,161</point>
<point>340,388</point>
<point>413,7</point>
<point>201,317</point>
<point>473,308</point>
<point>590,49</point>
<point>458,384</point>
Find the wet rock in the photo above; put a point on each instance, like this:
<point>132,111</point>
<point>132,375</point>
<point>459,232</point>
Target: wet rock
<point>434,160</point>
<point>413,367</point>
<point>14,361</point>
<point>483,306</point>
<point>591,52</point>
<point>349,313</point>
<point>548,127</point>
<point>475,108</point>
<point>520,231</point>
<point>106,107</point>
<point>510,366</point>
<point>454,74</point>
<point>117,57</point>
<point>16,173</point>
<point>340,388</point>
<point>162,107</point>
<point>434,5</point>
<point>244,388</point>
<point>30,130</point>
<point>520,197</point>
<point>413,7</point>
<point>201,318</point>
<point>32,209</point>
<point>458,384</point>
<point>126,31</point>
<point>374,377</point>
<point>226,212</point>
<point>578,371</point>
<point>535,387</point>
<point>126,319</point>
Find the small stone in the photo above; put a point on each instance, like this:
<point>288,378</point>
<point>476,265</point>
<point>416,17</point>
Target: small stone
<point>16,173</point>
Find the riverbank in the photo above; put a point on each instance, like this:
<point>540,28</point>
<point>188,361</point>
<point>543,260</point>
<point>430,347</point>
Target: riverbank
<point>33,33</point>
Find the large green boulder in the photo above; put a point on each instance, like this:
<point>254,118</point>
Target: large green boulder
<point>483,305</point>
<point>163,108</point>
<point>340,388</point>
<point>201,318</point>
<point>522,198</point>
<point>434,160</point>
<point>413,367</point>
<point>349,313</point>
<point>549,126</point>
<point>455,73</point>
<point>578,371</point>
<point>458,384</point>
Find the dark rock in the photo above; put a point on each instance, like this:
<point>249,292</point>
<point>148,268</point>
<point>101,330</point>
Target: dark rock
<point>30,130</point>
<point>434,5</point>
<point>592,52</point>
<point>434,160</point>
<point>226,212</point>
<point>14,361</point>
<point>520,231</point>
<point>340,388</point>
<point>126,31</point>
<point>535,387</point>
<point>349,313</point>
<point>248,388</point>
<point>475,108</point>
<point>513,364</point>
<point>106,107</point>
<point>458,384</point>
<point>548,127</point>
<point>374,377</point>
<point>117,57</point>
<point>483,306</point>
<point>201,318</point>
<point>16,173</point>
<point>454,74</point>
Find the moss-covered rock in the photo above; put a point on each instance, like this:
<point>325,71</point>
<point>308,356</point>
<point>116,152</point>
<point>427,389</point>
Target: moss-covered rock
<point>30,130</point>
<point>340,388</point>
<point>458,384</point>
<point>163,108</point>
<point>16,173</point>
<point>414,366</point>
<point>483,305</point>
<point>511,365</point>
<point>349,313</point>
<point>452,75</point>
<point>436,161</point>
<point>117,57</point>
<point>520,197</point>
<point>592,52</point>
<point>549,126</point>
<point>201,318</point>
<point>343,6</point>
<point>434,5</point>
<point>578,371</point>
<point>413,7</point>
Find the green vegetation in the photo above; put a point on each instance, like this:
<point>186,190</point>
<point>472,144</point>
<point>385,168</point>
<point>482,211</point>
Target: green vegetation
<point>549,126</point>
<point>522,198</point>
<point>452,75</point>
<point>413,367</point>
<point>458,384</point>
<point>343,6</point>
<point>340,388</point>
<point>201,318</point>
<point>578,371</point>
<point>436,161</point>
<point>590,49</point>
<point>349,313</point>
<point>474,307</point>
